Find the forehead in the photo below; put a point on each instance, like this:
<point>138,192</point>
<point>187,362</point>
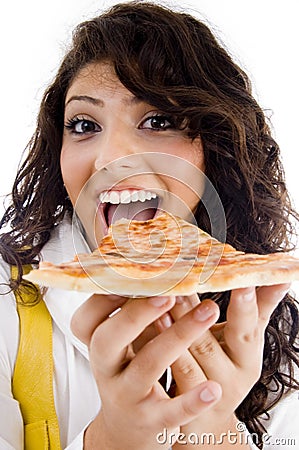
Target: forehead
<point>95,77</point>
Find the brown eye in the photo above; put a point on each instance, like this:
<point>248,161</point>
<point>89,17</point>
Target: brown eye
<point>158,122</point>
<point>82,126</point>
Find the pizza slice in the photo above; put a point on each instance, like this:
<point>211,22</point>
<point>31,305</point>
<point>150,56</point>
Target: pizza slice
<point>162,256</point>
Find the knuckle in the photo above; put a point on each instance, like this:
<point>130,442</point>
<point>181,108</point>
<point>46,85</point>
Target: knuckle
<point>203,348</point>
<point>189,409</point>
<point>97,340</point>
<point>186,369</point>
<point>81,330</point>
<point>251,337</point>
<point>76,325</point>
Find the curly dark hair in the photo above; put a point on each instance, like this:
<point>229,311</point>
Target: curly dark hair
<point>173,61</point>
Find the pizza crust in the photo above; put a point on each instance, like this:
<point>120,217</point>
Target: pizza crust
<point>164,256</point>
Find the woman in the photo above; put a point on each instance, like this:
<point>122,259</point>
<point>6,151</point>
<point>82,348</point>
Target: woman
<point>142,80</point>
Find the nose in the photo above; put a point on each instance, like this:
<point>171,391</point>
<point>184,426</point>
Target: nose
<point>116,151</point>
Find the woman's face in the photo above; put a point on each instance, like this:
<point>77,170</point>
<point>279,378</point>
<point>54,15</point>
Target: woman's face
<point>121,157</point>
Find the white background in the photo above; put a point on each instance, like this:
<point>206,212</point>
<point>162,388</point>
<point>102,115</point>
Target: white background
<point>262,35</point>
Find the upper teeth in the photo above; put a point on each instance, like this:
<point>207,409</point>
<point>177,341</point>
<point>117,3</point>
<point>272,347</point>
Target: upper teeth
<point>116,197</point>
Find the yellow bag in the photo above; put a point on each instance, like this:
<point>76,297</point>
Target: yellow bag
<point>32,382</point>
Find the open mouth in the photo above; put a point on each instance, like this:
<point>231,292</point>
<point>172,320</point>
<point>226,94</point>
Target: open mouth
<point>134,205</point>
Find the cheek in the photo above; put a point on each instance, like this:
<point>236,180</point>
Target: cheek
<point>75,172</point>
<point>190,151</point>
<point>187,192</point>
<point>196,154</point>
<point>188,178</point>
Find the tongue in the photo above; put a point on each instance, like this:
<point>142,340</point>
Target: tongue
<point>134,211</point>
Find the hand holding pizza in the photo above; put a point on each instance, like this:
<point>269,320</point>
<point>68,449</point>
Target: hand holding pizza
<point>230,353</point>
<point>135,407</point>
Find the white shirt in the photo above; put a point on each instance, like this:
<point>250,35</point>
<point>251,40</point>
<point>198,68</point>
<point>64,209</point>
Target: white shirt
<point>76,396</point>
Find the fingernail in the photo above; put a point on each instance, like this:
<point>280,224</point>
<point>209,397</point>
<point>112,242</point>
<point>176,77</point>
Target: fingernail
<point>158,301</point>
<point>206,395</point>
<point>179,299</point>
<point>203,312</point>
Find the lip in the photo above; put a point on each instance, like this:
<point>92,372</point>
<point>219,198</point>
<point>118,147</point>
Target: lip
<point>101,215</point>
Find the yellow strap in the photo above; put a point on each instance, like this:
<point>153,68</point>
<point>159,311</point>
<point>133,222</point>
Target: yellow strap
<point>32,382</point>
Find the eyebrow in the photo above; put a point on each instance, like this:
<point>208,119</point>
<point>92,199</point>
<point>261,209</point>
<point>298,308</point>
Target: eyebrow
<point>99,102</point>
<point>85,98</point>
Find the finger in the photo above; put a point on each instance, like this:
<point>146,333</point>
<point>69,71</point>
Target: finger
<point>242,333</point>
<point>186,371</point>
<point>211,357</point>
<point>93,312</point>
<point>184,408</point>
<point>248,314</point>
<point>218,332</point>
<point>110,341</point>
<point>242,311</point>
<point>268,298</point>
<point>151,361</point>
<point>184,304</point>
<point>209,360</point>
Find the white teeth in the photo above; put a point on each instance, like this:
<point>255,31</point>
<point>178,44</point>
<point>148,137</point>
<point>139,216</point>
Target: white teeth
<point>134,196</point>
<point>116,197</point>
<point>142,196</point>
<point>148,196</point>
<point>125,197</point>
